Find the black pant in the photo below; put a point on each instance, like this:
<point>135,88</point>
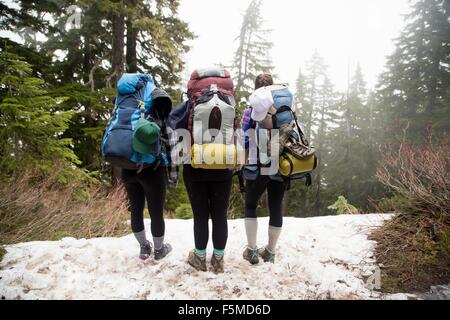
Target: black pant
<point>150,184</point>
<point>275,194</point>
<point>209,199</point>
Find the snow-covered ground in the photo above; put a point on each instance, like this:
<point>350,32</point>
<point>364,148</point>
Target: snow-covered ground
<point>318,258</point>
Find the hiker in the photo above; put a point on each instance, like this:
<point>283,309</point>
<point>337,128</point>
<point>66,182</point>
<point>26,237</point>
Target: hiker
<point>136,141</point>
<point>209,115</point>
<point>269,106</point>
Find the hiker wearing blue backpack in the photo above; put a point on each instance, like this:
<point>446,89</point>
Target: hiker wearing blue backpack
<point>271,108</point>
<point>136,141</point>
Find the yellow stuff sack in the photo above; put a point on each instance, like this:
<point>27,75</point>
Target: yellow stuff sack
<point>214,156</point>
<point>290,165</point>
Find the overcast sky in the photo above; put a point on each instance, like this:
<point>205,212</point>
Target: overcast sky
<point>343,31</point>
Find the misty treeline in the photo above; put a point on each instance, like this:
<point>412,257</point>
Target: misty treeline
<point>59,81</point>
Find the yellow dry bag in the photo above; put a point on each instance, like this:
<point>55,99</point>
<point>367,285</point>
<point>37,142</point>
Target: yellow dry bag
<point>214,156</point>
<point>290,165</point>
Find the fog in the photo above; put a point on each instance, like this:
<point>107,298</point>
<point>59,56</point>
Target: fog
<point>344,32</point>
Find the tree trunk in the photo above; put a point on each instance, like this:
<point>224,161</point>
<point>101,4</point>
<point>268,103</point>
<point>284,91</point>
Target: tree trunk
<point>240,75</point>
<point>131,57</point>
<point>309,118</point>
<point>131,49</point>
<point>117,67</point>
<point>346,190</point>
<point>118,57</point>
<point>320,141</point>
<point>87,59</point>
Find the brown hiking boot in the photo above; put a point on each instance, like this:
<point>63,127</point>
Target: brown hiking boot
<point>217,264</point>
<point>298,150</point>
<point>198,263</point>
<point>251,256</point>
<point>266,255</point>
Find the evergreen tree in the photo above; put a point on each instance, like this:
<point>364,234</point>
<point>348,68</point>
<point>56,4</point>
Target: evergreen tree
<point>300,89</point>
<point>352,164</point>
<point>159,37</point>
<point>16,19</point>
<point>113,36</point>
<point>315,73</point>
<point>31,122</point>
<point>315,101</point>
<point>252,55</point>
<point>326,115</point>
<point>416,85</point>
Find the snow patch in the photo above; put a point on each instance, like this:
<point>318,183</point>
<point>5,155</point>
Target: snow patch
<point>317,258</point>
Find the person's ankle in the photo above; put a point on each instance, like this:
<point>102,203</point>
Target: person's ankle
<point>269,250</point>
<point>200,253</point>
<point>219,253</point>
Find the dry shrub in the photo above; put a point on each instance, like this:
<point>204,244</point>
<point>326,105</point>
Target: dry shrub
<point>40,208</point>
<point>421,175</point>
<point>414,247</point>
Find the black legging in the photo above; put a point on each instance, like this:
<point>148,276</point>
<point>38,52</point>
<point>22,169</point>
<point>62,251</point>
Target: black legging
<point>151,185</point>
<point>275,194</point>
<point>209,199</point>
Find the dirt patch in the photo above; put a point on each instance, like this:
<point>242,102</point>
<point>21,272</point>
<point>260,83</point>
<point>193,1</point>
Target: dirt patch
<point>2,253</point>
<point>413,252</point>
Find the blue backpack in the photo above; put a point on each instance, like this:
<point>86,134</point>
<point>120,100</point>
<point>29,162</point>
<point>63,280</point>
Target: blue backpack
<point>134,101</point>
<point>179,117</point>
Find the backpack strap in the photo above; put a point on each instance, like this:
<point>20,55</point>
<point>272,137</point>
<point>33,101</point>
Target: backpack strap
<point>300,131</point>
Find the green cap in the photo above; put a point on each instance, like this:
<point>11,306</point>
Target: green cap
<point>145,136</point>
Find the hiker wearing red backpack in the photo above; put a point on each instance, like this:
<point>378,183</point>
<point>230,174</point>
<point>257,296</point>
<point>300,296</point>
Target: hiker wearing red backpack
<point>209,116</point>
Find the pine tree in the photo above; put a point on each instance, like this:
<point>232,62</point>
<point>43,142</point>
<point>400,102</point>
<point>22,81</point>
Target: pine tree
<point>31,122</point>
<point>300,89</point>
<point>113,36</point>
<point>352,110</point>
<point>416,84</point>
<point>315,101</point>
<point>161,39</point>
<point>352,163</point>
<point>118,44</point>
<point>326,115</point>
<point>315,73</point>
<point>16,19</point>
<point>252,55</point>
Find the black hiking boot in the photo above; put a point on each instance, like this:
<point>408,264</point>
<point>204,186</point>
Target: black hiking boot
<point>146,251</point>
<point>163,252</point>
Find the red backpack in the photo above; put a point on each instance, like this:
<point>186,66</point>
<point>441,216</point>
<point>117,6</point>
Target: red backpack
<point>212,119</point>
<point>201,81</point>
